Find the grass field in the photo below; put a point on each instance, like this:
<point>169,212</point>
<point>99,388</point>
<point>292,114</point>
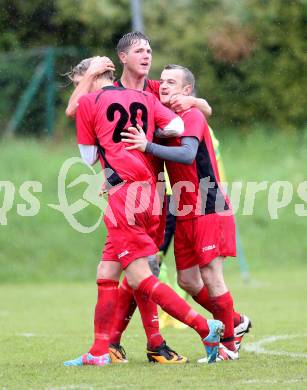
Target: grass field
<point>47,290</point>
<point>43,325</point>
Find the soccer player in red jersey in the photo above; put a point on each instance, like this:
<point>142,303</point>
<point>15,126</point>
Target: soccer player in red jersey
<point>157,349</point>
<point>205,228</point>
<point>101,117</point>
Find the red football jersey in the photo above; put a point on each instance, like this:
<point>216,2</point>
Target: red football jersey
<point>193,194</point>
<point>103,115</point>
<point>151,86</point>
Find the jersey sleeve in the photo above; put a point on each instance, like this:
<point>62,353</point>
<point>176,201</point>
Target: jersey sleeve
<point>194,124</point>
<point>85,124</point>
<point>153,87</point>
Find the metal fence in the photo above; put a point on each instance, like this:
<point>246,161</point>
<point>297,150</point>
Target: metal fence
<point>32,88</point>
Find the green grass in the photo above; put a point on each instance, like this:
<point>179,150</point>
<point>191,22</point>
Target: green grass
<point>263,156</point>
<point>59,316</point>
<point>44,247</point>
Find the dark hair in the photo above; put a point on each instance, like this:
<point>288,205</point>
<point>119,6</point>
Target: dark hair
<point>127,40</point>
<point>188,77</point>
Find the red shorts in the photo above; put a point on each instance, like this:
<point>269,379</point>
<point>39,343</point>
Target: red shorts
<point>131,223</point>
<point>200,240</point>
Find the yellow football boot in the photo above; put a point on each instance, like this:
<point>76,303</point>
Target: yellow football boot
<point>165,355</point>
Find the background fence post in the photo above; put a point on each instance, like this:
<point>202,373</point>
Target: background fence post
<point>50,90</point>
<point>26,99</point>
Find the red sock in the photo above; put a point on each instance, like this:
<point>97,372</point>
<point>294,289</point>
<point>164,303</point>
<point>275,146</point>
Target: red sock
<point>125,308</point>
<point>236,318</point>
<point>173,304</point>
<point>150,319</point>
<point>104,314</point>
<point>204,300</point>
<point>222,306</point>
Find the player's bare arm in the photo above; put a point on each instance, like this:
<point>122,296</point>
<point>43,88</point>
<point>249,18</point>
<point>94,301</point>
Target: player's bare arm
<point>182,103</point>
<point>84,84</point>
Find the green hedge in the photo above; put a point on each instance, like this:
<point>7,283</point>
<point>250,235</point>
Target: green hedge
<point>248,56</point>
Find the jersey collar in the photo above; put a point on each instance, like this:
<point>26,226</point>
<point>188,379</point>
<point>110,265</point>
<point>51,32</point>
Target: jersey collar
<point>110,87</point>
<point>121,85</point>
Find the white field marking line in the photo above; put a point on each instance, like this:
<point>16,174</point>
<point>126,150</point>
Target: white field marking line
<point>29,334</point>
<point>246,382</point>
<point>72,387</point>
<point>84,387</point>
<point>258,346</point>
<point>272,381</point>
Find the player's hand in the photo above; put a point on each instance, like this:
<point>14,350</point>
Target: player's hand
<point>136,137</point>
<point>181,102</point>
<point>100,65</point>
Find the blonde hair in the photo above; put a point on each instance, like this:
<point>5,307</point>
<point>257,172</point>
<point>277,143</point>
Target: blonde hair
<point>83,66</point>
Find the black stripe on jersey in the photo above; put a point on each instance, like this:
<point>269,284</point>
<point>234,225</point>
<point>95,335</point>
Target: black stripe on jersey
<point>108,88</point>
<point>144,87</point>
<point>98,97</point>
<point>113,87</point>
<point>114,179</point>
<point>121,85</point>
<point>212,198</point>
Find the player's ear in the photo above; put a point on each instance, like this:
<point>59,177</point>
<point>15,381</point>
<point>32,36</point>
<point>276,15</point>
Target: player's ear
<point>123,57</point>
<point>187,90</point>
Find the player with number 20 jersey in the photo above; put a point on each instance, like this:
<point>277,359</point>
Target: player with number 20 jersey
<point>101,117</point>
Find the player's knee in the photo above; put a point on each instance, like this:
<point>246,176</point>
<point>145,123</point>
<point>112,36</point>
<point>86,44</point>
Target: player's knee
<point>188,285</point>
<point>137,271</point>
<point>214,282</point>
<point>133,280</point>
<point>213,279</point>
<point>212,274</point>
<point>106,271</point>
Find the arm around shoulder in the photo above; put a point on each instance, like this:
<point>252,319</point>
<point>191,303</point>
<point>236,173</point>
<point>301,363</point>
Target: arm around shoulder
<point>203,106</point>
<point>82,88</point>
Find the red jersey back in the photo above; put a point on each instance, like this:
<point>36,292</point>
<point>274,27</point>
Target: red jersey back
<point>103,115</point>
<point>193,191</point>
<point>151,86</point>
